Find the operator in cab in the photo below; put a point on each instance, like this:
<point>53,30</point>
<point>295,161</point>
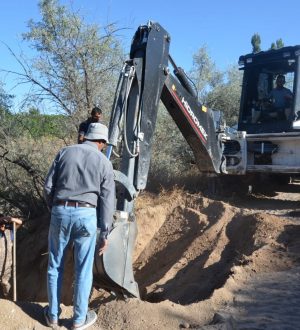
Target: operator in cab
<point>281,99</point>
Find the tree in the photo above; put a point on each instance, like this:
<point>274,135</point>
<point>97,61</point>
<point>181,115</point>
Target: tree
<point>226,95</point>
<point>75,63</point>
<point>34,124</point>
<point>171,155</point>
<point>74,68</point>
<point>204,73</point>
<point>255,42</point>
<point>278,44</point>
<point>218,90</point>
<point>5,103</point>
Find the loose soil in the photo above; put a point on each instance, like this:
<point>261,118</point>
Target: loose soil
<point>201,263</point>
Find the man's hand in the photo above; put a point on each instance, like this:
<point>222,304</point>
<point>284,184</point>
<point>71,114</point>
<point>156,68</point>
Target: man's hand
<point>103,246</point>
<point>17,221</point>
<point>288,97</point>
<point>80,138</point>
<point>5,219</point>
<point>8,219</point>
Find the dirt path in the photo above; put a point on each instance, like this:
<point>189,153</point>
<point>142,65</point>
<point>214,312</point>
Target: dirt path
<point>194,257</point>
<point>268,301</point>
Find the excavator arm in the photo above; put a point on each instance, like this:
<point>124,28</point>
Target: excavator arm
<point>145,80</point>
<point>198,124</point>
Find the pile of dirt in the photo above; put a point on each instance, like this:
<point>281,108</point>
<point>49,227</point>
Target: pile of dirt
<point>195,253</point>
<point>194,257</point>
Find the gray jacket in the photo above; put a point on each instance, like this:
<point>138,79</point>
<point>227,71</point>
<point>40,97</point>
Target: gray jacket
<point>82,173</point>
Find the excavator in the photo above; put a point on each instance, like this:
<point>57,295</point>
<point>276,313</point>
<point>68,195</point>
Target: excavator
<point>265,140</point>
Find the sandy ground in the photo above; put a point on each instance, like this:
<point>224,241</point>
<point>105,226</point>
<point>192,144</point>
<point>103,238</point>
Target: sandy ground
<point>201,263</point>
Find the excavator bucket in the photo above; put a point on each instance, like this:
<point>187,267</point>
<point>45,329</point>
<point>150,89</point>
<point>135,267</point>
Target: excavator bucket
<point>113,270</point>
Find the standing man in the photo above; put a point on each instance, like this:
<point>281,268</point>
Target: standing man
<point>80,185</point>
<point>6,251</point>
<point>96,117</point>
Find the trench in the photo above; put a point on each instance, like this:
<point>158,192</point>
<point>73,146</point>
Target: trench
<point>185,257</point>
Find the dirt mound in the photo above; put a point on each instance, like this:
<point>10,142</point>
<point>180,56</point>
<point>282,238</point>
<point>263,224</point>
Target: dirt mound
<point>193,257</point>
<point>199,243</point>
<point>197,254</point>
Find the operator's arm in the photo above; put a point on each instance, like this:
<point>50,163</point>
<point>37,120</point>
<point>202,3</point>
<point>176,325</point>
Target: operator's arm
<point>289,95</point>
<point>106,205</point>
<point>49,186</point>
<point>271,95</point>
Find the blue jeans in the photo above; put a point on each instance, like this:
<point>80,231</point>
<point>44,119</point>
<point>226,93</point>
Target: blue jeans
<point>78,225</point>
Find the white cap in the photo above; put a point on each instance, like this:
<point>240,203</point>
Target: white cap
<point>97,131</point>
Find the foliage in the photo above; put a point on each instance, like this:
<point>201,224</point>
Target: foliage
<point>278,44</point>
<point>218,90</point>
<point>255,42</point>
<point>20,178</point>
<point>171,155</point>
<point>75,67</point>
<point>5,103</point>
<point>204,73</point>
<point>75,64</point>
<point>36,125</point>
<point>226,95</point>
<point>26,150</point>
<point>5,112</point>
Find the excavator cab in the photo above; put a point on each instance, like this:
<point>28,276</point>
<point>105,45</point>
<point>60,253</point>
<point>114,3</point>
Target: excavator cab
<point>266,107</point>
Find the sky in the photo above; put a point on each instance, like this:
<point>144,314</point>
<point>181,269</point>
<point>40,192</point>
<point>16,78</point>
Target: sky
<point>225,27</point>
